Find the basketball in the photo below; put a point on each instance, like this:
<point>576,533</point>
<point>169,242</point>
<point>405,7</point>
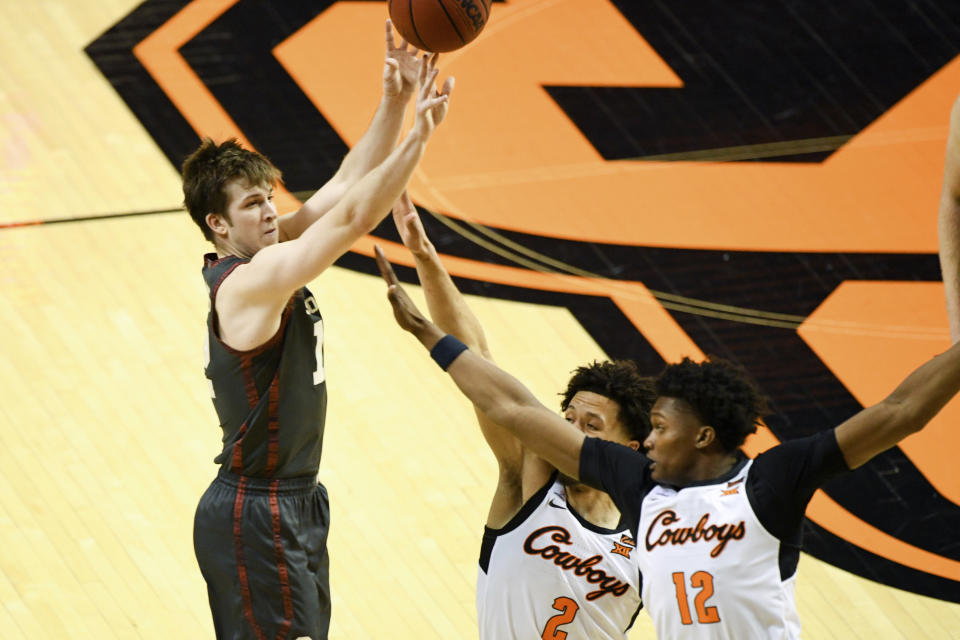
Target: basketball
<point>439,25</point>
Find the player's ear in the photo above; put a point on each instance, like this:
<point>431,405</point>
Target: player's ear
<point>217,223</point>
<point>706,436</point>
<point>634,444</point>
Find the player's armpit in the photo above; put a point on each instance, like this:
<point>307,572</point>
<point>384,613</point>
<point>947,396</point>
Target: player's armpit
<point>536,473</point>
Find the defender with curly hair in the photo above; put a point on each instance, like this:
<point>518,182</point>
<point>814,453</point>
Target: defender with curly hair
<point>718,534</point>
<point>557,558</point>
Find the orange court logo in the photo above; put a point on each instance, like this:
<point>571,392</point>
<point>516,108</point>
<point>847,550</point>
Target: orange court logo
<point>769,198</point>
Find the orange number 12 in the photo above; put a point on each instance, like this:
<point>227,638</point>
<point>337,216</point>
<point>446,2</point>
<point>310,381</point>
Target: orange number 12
<point>703,581</point>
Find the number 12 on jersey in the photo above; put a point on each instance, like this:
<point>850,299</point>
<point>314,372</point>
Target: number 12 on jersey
<point>699,580</point>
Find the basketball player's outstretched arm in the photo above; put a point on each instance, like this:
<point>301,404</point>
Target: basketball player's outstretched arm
<point>256,293</point>
<point>519,475</point>
<point>400,72</point>
<point>907,410</point>
<point>446,304</point>
<point>949,224</point>
<point>492,390</point>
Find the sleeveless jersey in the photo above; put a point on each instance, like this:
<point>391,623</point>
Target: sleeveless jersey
<point>272,400</point>
<point>549,573</point>
<point>719,557</point>
<point>707,558</point>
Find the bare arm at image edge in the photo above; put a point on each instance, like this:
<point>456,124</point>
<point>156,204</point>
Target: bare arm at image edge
<point>948,226</point>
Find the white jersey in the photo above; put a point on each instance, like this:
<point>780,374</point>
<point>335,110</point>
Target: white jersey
<point>551,574</point>
<point>706,558</point>
<point>719,558</point>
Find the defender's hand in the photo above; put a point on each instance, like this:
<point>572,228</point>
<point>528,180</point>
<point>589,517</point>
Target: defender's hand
<point>410,227</point>
<point>406,313</point>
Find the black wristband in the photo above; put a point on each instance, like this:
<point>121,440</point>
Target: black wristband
<point>447,350</point>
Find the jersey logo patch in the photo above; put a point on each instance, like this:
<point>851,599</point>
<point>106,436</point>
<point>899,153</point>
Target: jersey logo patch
<point>730,492</point>
<point>620,549</point>
<point>556,505</point>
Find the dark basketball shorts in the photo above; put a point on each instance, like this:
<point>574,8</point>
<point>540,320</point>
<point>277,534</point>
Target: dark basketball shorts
<point>262,548</point>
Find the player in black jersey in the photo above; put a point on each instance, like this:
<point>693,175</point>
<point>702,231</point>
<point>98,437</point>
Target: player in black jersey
<point>260,529</point>
<point>718,533</point>
<point>949,224</point>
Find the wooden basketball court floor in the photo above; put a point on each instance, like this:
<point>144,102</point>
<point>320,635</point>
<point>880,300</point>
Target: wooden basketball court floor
<point>107,434</point>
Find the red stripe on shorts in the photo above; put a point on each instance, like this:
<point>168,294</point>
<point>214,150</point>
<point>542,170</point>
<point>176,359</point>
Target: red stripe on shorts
<point>241,564</point>
<point>281,564</point>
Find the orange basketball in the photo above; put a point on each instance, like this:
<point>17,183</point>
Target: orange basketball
<point>439,25</point>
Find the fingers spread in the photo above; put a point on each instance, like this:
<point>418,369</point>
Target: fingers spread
<point>428,89</point>
<point>432,102</point>
<point>391,43</point>
<point>422,77</point>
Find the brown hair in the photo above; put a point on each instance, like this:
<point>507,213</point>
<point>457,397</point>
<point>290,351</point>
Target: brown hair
<point>207,171</point>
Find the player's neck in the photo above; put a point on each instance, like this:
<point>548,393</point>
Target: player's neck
<point>594,505</point>
<point>711,467</point>
<point>224,251</point>
<point>226,248</point>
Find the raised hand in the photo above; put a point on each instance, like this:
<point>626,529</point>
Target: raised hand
<point>432,105</point>
<point>406,313</point>
<point>401,66</point>
<point>410,227</point>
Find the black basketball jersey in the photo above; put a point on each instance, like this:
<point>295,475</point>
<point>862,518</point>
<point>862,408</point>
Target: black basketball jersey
<point>272,400</point>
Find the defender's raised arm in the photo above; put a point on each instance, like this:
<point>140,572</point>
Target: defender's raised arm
<point>503,398</point>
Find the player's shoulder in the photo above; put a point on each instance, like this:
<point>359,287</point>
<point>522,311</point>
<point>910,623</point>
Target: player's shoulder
<point>216,268</point>
<point>789,448</point>
<point>799,459</point>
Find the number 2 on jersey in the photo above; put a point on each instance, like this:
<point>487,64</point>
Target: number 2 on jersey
<point>568,611</point>
<point>703,581</point>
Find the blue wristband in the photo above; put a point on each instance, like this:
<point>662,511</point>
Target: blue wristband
<point>447,350</point>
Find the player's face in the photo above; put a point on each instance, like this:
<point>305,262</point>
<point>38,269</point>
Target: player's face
<point>671,445</point>
<point>597,416</point>
<point>251,217</point>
